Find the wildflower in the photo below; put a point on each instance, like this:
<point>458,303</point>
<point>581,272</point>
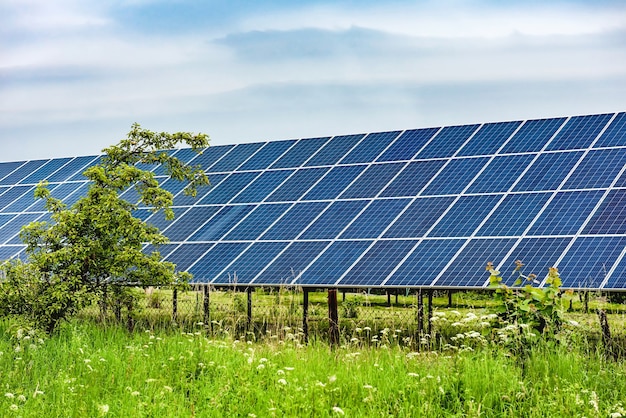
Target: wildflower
<point>338,410</point>
<point>332,379</point>
<point>615,415</point>
<point>260,366</point>
<point>368,387</point>
<point>13,407</point>
<point>21,398</point>
<point>368,329</point>
<point>103,409</point>
<point>134,393</point>
<point>282,381</point>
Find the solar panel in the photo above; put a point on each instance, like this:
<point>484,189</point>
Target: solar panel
<point>423,208</point>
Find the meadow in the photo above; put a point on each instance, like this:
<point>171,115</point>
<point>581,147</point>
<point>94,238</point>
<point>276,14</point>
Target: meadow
<point>210,370</point>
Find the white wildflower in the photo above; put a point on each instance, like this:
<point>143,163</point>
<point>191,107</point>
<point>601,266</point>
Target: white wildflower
<point>103,409</point>
<point>338,410</point>
<point>282,381</point>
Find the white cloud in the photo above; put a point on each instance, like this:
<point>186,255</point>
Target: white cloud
<point>46,15</point>
<point>449,19</point>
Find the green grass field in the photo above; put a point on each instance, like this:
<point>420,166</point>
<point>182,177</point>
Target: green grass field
<point>91,370</point>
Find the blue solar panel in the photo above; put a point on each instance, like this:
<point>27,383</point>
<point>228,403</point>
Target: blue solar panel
<point>335,182</point>
<point>337,258</point>
<point>566,213</point>
<point>300,153</point>
<point>610,218</point>
<point>185,155</point>
<point>181,199</point>
<point>468,267</point>
<point>206,269</point>
<point>377,263</point>
<point>375,219</point>
<point>158,219</point>
<point>294,221</point>
<point>24,170</point>
<point>262,186</point>
<point>447,142</point>
<point>7,168</point>
<point>615,134</point>
<point>264,157</point>
<point>617,280</point>
<point>286,267</point>
<point>579,132</point>
<point>334,150</point>
<point>489,139</point>
<point>60,191</point>
<point>77,165</point>
<point>408,144</point>
<point>79,192</point>
<point>221,223</point>
<point>548,171</point>
<point>78,176</point>
<point>501,173</point>
<point>182,228</point>
<point>372,181</point>
<point>533,135</point>
<point>210,155</point>
<point>538,254</point>
<point>7,198</point>
<point>236,157</point>
<point>334,219</point>
<point>418,208</point>
<point>298,184</point>
<point>597,169</point>
<point>589,260</point>
<point>44,171</point>
<point>369,148</point>
<point>419,217</point>
<point>228,188</point>
<point>464,216</point>
<point>245,268</point>
<point>456,176</point>
<point>257,222</point>
<point>412,179</point>
<point>514,215</point>
<point>426,261</point>
<point>10,228</point>
<point>7,252</point>
<point>187,254</point>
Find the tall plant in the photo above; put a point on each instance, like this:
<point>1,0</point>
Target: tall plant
<point>538,307</point>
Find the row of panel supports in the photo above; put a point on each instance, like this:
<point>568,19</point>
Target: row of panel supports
<point>333,313</point>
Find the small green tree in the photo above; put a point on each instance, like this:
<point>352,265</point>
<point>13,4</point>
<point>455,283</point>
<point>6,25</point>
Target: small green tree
<point>97,242</point>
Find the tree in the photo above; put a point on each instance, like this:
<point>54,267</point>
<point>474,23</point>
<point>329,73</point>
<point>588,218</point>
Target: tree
<point>97,242</point>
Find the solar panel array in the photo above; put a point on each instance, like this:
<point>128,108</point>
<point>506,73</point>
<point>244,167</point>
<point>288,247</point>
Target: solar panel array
<point>421,208</point>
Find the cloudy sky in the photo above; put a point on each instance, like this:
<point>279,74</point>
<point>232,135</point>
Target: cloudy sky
<point>75,74</point>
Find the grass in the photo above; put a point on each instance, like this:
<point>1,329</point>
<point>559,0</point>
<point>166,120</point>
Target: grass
<point>89,370</point>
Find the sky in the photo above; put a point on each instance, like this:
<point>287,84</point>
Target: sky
<point>75,74</point>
